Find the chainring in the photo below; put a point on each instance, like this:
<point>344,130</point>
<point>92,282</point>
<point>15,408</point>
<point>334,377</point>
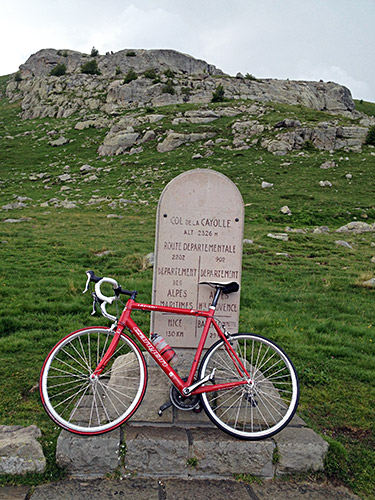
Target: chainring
<point>184,403</point>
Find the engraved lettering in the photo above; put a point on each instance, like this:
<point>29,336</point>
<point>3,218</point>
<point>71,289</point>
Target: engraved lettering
<point>175,322</point>
<point>219,274</point>
<point>172,245</point>
<point>177,271</point>
<point>177,221</point>
<point>216,222</point>
<point>177,293</point>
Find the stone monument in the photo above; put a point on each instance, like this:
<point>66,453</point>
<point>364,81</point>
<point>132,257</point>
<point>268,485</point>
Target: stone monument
<point>199,233</point>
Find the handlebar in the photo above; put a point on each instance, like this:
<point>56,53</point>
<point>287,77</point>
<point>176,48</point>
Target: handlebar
<point>100,297</point>
<point>99,293</point>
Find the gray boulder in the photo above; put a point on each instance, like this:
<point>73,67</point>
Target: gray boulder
<point>20,452</point>
<point>174,140</point>
<point>356,227</point>
<point>115,144</point>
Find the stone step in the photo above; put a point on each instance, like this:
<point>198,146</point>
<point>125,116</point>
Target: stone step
<point>184,444</point>
<point>185,451</point>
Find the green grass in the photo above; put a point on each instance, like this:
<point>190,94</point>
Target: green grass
<point>365,107</point>
<point>309,301</point>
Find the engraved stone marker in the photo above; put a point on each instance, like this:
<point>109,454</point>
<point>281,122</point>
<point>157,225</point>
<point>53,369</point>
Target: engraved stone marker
<point>199,233</point>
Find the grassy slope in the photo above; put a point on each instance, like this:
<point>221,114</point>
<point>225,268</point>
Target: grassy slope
<point>309,301</point>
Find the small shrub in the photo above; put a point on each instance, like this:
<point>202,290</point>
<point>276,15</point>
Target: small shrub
<point>308,146</point>
<point>168,88</point>
<point>18,77</point>
<point>90,68</point>
<point>58,70</point>
<point>151,74</point>
<point>370,138</point>
<point>94,52</point>
<point>169,73</point>
<point>249,76</point>
<point>276,456</point>
<point>192,462</point>
<point>218,94</point>
<point>131,53</point>
<point>130,76</point>
<point>118,70</point>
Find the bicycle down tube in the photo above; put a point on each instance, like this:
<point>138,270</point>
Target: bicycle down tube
<point>126,321</point>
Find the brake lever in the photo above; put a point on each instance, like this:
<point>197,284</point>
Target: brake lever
<point>87,282</point>
<point>95,300</point>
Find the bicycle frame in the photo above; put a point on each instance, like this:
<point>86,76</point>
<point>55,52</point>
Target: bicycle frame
<point>126,321</point>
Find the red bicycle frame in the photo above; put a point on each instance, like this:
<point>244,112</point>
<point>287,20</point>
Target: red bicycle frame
<point>126,321</point>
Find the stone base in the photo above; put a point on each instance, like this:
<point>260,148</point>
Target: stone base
<point>188,451</point>
<point>184,444</point>
<point>182,452</point>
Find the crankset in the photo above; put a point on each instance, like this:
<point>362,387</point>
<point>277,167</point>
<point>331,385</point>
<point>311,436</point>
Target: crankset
<point>184,403</point>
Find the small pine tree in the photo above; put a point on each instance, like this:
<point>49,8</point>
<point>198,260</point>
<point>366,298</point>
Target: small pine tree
<point>249,76</point>
<point>218,94</point>
<point>130,76</point>
<point>151,74</point>
<point>168,88</point>
<point>370,138</point>
<point>90,68</point>
<point>58,70</point>
<point>169,73</point>
<point>94,52</point>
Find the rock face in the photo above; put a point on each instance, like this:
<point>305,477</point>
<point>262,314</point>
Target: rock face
<point>42,62</point>
<point>163,77</point>
<point>326,136</point>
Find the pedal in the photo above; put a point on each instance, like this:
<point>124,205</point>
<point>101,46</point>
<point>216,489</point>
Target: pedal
<point>164,407</point>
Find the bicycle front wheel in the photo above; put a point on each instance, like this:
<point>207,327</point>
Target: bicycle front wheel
<point>262,406</point>
<point>81,403</point>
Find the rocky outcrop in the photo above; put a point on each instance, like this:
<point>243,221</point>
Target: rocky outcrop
<point>175,78</point>
<point>175,140</point>
<point>326,136</point>
<point>42,62</point>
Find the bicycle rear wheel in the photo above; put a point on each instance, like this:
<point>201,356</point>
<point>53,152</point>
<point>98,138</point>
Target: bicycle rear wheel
<point>88,405</point>
<point>266,403</point>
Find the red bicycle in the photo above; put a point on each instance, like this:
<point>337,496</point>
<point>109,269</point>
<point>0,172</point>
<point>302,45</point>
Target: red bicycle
<point>94,379</point>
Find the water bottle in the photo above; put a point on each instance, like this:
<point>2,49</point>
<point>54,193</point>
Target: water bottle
<point>165,349</point>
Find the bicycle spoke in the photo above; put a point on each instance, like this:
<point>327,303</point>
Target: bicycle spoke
<point>75,360</point>
<point>265,403</point>
<point>88,404</point>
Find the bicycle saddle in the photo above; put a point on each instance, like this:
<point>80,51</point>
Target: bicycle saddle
<point>226,287</point>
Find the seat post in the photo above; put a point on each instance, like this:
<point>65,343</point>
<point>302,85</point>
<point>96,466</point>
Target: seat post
<point>216,298</point>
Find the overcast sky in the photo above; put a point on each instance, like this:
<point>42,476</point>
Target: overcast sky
<point>332,40</point>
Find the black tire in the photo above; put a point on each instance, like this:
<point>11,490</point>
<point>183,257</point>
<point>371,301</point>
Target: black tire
<point>263,406</point>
